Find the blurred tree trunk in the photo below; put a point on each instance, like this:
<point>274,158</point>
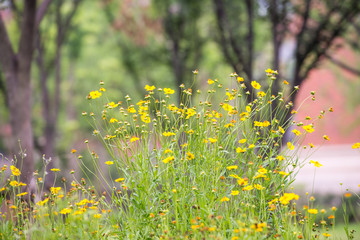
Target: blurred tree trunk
<point>185,43</point>
<point>51,105</point>
<point>17,69</point>
<point>237,46</point>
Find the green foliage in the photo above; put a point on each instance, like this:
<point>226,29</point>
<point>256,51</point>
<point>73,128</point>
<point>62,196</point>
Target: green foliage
<point>215,168</point>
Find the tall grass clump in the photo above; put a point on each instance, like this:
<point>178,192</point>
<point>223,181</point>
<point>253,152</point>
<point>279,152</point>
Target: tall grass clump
<point>216,164</point>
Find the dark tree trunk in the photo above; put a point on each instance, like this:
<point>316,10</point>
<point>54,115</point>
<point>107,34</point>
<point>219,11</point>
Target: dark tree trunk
<point>16,68</point>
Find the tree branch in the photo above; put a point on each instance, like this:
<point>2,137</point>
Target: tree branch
<point>27,37</point>
<point>3,90</point>
<point>323,42</point>
<point>6,49</point>
<point>41,11</point>
<point>343,65</point>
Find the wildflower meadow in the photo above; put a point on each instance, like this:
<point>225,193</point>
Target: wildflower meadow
<point>213,163</point>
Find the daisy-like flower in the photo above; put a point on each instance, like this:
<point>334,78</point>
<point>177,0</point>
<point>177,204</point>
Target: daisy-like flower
<point>290,146</point>
<point>232,167</point>
<point>309,128</point>
<point>316,163</point>
<point>169,91</point>
<point>212,140</point>
<point>95,94</point>
<point>225,199</point>
<point>234,193</point>
<point>356,145</point>
<point>255,85</point>
<point>313,211</point>
<point>168,159</point>
<point>134,139</point>
<point>65,211</point>
<point>15,171</point>
<point>190,156</point>
<point>149,88</point>
<point>296,132</point>
<point>168,134</point>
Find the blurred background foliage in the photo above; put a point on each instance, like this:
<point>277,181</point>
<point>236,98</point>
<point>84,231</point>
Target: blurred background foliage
<point>131,43</point>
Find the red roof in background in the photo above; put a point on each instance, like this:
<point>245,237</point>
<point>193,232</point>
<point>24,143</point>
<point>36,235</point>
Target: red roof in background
<point>334,88</point>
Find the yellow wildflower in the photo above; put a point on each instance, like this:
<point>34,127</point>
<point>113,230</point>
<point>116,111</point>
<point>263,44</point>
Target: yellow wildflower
<point>232,167</point>
<point>109,162</point>
<point>168,159</point>
<point>43,202</point>
<point>313,211</point>
<point>190,156</point>
<point>149,88</point>
<point>269,71</point>
<point>283,173</point>
<point>55,190</point>
<point>356,145</point>
<point>21,194</point>
<point>290,146</point>
<point>112,105</point>
<point>316,163</point>
<point>168,151</point>
<point>227,107</point>
<point>131,110</point>
<point>212,140</point>
<point>210,81</point>
<point>261,94</point>
<point>95,94</point>
<point>169,91</point>
<point>145,118</point>
<point>287,197</point>
<point>240,150</point>
<point>113,120</point>
<point>248,188</point>
<point>296,132</point>
<point>82,202</point>
<point>168,134</point>
<point>230,96</point>
<point>225,199</point>
<point>258,187</point>
<point>190,112</point>
<point>326,137</point>
<point>15,171</point>
<point>242,181</point>
<point>14,183</point>
<point>234,193</point>
<point>309,128</point>
<point>65,211</point>
<point>134,139</point>
<point>255,85</point>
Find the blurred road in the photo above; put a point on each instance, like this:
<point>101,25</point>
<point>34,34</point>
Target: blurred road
<point>341,164</point>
